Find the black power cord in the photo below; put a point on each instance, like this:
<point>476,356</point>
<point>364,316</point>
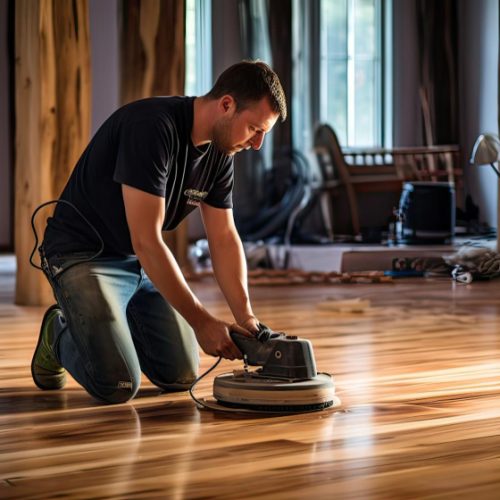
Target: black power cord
<point>35,247</point>
<point>203,375</point>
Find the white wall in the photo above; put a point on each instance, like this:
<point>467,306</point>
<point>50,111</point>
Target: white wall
<point>478,73</point>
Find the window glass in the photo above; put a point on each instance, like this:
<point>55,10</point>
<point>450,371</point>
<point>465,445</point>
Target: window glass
<point>350,70</point>
<point>335,96</point>
<point>198,47</point>
<point>364,100</point>
<point>190,83</point>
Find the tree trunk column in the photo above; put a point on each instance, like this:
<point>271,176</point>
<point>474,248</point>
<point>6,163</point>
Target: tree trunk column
<point>52,49</point>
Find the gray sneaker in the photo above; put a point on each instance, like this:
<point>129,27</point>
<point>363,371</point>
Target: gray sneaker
<point>46,371</point>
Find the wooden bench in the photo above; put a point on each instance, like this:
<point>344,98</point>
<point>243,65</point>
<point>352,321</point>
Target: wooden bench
<point>357,170</point>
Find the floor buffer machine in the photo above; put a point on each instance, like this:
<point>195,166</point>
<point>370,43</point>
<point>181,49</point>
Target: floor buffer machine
<point>285,382</point>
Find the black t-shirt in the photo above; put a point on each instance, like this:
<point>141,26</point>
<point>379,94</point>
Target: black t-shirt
<point>147,145</point>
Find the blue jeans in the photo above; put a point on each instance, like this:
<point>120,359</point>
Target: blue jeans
<point>118,325</point>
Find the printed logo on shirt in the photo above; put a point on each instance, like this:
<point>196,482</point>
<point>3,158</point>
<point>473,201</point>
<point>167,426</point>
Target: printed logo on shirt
<point>195,197</point>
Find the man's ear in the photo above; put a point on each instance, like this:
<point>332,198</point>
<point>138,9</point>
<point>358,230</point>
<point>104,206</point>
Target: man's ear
<point>227,104</point>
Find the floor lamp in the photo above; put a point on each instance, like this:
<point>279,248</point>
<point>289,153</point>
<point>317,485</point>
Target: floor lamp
<point>486,151</point>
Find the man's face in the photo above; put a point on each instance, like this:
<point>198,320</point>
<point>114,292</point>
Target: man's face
<point>244,129</point>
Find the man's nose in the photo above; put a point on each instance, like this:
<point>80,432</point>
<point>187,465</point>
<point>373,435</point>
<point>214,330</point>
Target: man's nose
<point>257,141</point>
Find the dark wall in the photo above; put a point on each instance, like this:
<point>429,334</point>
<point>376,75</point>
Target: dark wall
<point>407,120</point>
<point>104,58</point>
<point>6,170</point>
<point>226,39</point>
<point>478,91</point>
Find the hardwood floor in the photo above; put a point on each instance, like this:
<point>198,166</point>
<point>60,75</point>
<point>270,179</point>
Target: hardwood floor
<point>418,373</point>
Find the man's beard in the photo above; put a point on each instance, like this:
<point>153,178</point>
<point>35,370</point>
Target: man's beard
<point>221,137</point>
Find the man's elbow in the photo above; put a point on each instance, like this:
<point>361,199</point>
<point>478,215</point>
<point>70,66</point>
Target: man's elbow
<point>144,245</point>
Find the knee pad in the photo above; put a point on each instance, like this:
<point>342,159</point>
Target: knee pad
<point>181,381</point>
<point>119,392</point>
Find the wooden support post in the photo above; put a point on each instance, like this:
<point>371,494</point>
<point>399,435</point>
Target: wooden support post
<point>52,49</point>
<point>152,62</point>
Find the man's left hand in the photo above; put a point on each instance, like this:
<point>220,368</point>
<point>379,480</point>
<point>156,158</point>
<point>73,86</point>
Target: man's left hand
<point>251,324</point>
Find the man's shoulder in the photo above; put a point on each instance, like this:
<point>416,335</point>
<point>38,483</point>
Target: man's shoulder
<point>167,114</point>
<point>158,106</point>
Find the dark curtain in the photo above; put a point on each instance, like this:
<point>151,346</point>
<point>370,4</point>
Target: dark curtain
<point>265,28</point>
<point>437,23</point>
<point>266,31</point>
<point>280,34</point>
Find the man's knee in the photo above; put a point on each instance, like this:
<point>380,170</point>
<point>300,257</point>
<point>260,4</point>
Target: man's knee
<point>180,380</point>
<point>115,392</point>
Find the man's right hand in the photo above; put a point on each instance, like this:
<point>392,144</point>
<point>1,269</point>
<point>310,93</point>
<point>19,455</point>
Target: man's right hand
<point>213,337</point>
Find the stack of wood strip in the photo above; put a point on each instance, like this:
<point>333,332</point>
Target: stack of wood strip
<point>264,277</point>
<point>298,277</point>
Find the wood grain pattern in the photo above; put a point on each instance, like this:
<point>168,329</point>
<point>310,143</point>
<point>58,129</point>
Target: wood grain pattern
<point>152,48</point>
<point>52,117</point>
<point>418,372</point>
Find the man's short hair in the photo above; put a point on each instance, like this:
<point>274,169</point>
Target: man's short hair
<point>248,82</point>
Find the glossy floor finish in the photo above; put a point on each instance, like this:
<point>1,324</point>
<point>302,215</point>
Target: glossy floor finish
<point>418,373</point>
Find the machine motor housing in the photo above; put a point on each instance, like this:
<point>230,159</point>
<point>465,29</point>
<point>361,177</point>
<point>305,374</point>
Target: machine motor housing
<point>427,212</point>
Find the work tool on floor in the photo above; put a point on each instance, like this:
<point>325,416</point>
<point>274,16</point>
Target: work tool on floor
<point>285,382</point>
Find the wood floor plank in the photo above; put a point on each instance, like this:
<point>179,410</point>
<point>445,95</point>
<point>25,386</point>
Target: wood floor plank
<point>418,373</point>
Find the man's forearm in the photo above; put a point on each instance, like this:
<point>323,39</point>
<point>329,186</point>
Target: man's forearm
<point>230,269</point>
<point>162,269</point>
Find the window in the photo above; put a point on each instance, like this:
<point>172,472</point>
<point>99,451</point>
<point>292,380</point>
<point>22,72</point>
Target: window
<point>198,47</point>
<point>351,70</point>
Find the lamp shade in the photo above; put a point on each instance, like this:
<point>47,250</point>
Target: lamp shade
<point>486,150</point>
